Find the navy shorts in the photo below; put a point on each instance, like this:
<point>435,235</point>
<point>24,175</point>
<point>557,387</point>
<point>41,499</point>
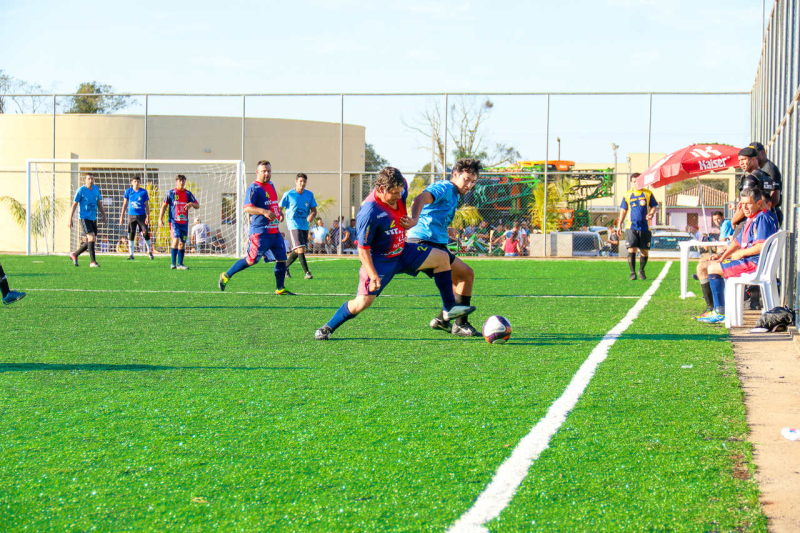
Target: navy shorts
<point>179,231</point>
<point>408,262</point>
<point>89,226</point>
<point>270,246</point>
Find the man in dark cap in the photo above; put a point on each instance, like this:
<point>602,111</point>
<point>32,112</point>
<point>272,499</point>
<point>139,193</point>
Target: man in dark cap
<point>769,168</point>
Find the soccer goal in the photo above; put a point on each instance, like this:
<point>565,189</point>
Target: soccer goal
<point>52,184</point>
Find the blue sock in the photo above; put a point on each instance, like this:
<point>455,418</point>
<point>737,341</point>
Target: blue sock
<point>341,316</point>
<point>173,252</point>
<point>238,266</point>
<point>181,251</point>
<point>280,274</point>
<point>717,283</point>
<point>444,282</point>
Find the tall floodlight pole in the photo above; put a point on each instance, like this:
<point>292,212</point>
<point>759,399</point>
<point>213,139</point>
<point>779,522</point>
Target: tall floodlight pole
<point>559,147</point>
<point>615,146</point>
<point>546,164</point>
<point>341,171</point>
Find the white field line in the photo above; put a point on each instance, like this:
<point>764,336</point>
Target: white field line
<point>512,472</point>
<point>349,294</point>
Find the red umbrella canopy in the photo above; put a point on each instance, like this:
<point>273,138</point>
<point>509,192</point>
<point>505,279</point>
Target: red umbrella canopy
<point>694,160</point>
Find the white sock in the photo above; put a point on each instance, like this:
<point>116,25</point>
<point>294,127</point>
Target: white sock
<point>130,246</point>
<point>147,246</point>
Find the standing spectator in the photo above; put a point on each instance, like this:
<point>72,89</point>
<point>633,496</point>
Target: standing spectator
<point>200,235</point>
<point>524,237</point>
<point>349,237</point>
<point>769,168</point>
<point>724,225</point>
<point>334,235</point>
<point>511,244</point>
<point>482,233</point>
<point>218,243</point>
<point>637,210</point>
<point>318,235</point>
<point>613,241</point>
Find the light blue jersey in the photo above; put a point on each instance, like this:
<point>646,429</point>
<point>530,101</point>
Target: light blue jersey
<point>136,201</point>
<point>436,217</point>
<point>725,230</point>
<point>298,206</point>
<point>88,199</point>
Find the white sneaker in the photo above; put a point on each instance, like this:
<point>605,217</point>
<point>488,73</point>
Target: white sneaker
<point>93,264</point>
<point>457,311</point>
<point>182,267</point>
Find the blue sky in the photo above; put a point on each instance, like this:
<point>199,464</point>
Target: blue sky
<point>414,46</point>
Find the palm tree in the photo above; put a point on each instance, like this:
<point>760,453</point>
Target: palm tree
<point>44,212</point>
<point>466,215</point>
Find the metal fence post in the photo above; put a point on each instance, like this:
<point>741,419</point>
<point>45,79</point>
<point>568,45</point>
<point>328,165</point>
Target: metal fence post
<point>546,164</point>
<point>444,155</point>
<point>341,171</point>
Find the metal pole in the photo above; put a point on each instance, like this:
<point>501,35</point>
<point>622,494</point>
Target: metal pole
<point>53,198</point>
<point>433,155</point>
<point>146,110</point>
<point>28,210</point>
<point>649,129</point>
<point>341,172</point>
<point>546,164</point>
<point>444,155</point>
<point>243,118</point>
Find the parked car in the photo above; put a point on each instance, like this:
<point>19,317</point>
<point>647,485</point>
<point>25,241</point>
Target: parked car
<point>584,243</point>
<point>664,244</point>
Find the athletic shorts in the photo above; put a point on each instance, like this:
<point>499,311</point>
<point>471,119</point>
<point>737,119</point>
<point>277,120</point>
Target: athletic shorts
<point>179,231</point>
<point>408,262</point>
<point>89,226</point>
<point>268,246</point>
<point>732,268</point>
<point>436,245</point>
<point>135,221</point>
<point>635,238</point>
<point>298,238</point>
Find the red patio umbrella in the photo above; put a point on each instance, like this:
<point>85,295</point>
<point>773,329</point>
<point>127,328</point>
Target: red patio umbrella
<point>692,161</point>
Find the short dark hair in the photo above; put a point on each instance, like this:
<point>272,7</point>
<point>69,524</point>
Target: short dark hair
<point>718,213</point>
<point>263,162</point>
<point>136,177</point>
<point>180,177</point>
<point>88,174</point>
<point>755,194</point>
<point>635,175</point>
<point>301,175</point>
<point>468,165</point>
<point>389,177</point>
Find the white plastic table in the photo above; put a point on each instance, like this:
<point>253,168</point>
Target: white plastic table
<point>685,247</point>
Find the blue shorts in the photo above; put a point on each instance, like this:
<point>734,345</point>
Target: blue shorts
<point>732,268</point>
<point>270,246</point>
<point>179,231</point>
<point>408,262</point>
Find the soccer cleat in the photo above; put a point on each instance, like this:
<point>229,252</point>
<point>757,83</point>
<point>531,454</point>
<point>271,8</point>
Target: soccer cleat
<point>641,274</point>
<point>288,274</point>
<point>707,312</point>
<point>152,256</point>
<point>182,267</point>
<point>172,266</point>
<point>438,323</point>
<point>74,259</point>
<point>713,318</point>
<point>13,296</point>
<point>323,333</point>
<point>309,276</point>
<point>284,292</point>
<point>130,258</point>
<point>457,311</point>
<point>94,264</point>
<point>223,280</point>
<point>464,330</point>
<point>633,276</point>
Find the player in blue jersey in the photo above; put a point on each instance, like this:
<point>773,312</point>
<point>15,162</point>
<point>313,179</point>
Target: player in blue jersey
<point>637,209</point>
<point>137,201</point>
<point>301,208</point>
<point>261,203</point>
<point>89,199</point>
<point>9,296</point>
<point>178,201</point>
<point>433,210</point>
<point>381,226</point>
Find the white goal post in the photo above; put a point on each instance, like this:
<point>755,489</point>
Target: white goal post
<point>218,185</point>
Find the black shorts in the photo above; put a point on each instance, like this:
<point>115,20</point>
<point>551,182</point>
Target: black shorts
<point>135,221</point>
<point>89,226</point>
<point>298,238</point>
<point>436,245</point>
<point>638,238</point>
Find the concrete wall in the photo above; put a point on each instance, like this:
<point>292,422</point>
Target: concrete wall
<point>290,145</point>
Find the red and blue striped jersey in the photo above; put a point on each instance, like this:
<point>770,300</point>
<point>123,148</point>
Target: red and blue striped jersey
<point>177,202</point>
<point>264,196</point>
<point>378,226</point>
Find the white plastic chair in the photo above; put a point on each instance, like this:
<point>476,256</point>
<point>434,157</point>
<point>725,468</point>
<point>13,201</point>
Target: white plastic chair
<point>765,277</point>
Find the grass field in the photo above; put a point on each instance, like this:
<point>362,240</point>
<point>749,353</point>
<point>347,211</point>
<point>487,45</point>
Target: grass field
<point>157,403</point>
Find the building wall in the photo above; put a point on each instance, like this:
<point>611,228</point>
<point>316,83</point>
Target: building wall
<point>290,145</point>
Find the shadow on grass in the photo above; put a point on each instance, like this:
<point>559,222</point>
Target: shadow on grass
<point>99,367</point>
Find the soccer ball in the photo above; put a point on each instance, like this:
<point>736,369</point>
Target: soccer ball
<point>496,329</point>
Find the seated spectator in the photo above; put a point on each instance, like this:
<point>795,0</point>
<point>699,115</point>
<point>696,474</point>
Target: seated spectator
<point>511,244</point>
<point>469,230</point>
<point>332,239</point>
<point>104,244</point>
<point>349,238</point>
<point>724,225</point>
<point>318,235</point>
<point>218,244</point>
<point>741,256</point>
<point>524,237</point>
<point>286,243</point>
<point>122,246</point>
<point>613,241</point>
<point>500,234</point>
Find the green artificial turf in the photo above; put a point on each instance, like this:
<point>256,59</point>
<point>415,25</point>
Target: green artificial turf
<point>157,403</point>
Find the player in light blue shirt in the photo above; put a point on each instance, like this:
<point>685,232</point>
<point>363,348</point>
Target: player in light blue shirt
<point>89,199</point>
<point>137,201</point>
<point>433,211</point>
<point>301,208</point>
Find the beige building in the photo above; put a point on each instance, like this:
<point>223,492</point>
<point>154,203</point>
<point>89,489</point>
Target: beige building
<point>290,145</point>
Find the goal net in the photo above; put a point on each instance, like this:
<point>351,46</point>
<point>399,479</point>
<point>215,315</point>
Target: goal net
<point>52,184</point>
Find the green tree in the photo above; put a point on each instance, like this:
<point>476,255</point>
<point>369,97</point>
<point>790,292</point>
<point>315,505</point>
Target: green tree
<point>41,214</point>
<point>93,98</point>
<point>20,104</point>
<point>373,161</point>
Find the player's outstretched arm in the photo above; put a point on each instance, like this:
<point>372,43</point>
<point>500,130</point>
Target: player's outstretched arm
<point>72,213</point>
<point>419,202</point>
